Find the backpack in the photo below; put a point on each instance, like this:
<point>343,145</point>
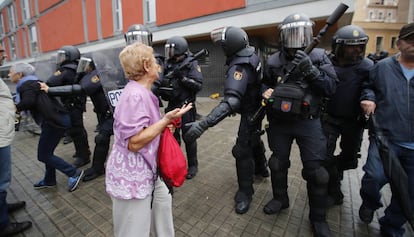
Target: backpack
<point>172,164</point>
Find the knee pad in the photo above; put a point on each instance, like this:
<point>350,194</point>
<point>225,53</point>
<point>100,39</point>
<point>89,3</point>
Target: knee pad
<point>102,138</point>
<point>316,176</point>
<point>240,152</point>
<point>276,164</point>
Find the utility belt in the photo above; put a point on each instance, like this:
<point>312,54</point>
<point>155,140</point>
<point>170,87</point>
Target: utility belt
<point>294,101</point>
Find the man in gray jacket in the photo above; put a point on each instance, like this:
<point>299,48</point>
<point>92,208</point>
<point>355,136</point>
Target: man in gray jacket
<point>7,119</point>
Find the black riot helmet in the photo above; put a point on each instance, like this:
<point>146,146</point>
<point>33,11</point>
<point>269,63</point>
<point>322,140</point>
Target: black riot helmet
<point>233,40</point>
<point>67,54</point>
<point>296,32</point>
<point>350,35</point>
<point>85,64</point>
<point>175,46</point>
<point>138,33</point>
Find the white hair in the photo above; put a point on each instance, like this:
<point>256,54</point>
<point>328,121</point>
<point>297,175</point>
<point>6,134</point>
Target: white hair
<point>24,68</point>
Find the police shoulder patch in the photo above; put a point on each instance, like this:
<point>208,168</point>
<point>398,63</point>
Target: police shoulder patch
<point>95,79</point>
<point>198,68</point>
<point>57,73</point>
<point>237,75</point>
<point>159,68</point>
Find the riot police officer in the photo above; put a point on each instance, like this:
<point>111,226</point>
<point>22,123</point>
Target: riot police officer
<point>241,95</point>
<point>343,116</point>
<point>296,84</point>
<point>90,84</point>
<point>141,33</point>
<point>67,61</point>
<point>179,88</point>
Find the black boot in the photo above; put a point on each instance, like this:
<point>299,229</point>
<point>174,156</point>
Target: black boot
<point>260,161</point>
<point>191,172</point>
<point>79,162</point>
<point>335,195</point>
<point>320,229</point>
<point>242,202</point>
<point>317,185</point>
<point>280,199</point>
<point>80,140</point>
<point>14,228</point>
<point>91,174</point>
<point>11,207</point>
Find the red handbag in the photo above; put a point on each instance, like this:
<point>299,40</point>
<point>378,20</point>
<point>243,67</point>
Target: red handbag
<point>172,163</point>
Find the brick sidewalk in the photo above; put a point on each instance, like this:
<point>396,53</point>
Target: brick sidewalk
<point>203,206</point>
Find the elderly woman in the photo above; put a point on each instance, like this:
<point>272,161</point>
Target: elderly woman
<point>53,119</point>
<point>131,170</point>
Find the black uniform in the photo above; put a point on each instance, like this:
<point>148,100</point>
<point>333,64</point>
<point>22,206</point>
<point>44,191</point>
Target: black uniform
<point>92,87</point>
<point>76,105</point>
<point>343,118</point>
<point>179,90</point>
<point>241,95</point>
<point>305,128</point>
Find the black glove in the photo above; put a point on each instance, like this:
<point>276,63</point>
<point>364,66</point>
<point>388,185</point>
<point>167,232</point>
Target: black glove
<point>304,64</point>
<point>197,128</point>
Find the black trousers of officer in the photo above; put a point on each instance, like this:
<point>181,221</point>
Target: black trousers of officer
<point>243,153</point>
<point>312,145</point>
<point>102,141</point>
<point>190,146</point>
<point>351,133</point>
<point>78,133</point>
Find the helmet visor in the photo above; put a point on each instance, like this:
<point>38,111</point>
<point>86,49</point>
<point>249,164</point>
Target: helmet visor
<point>296,34</point>
<point>60,57</point>
<point>138,36</point>
<point>218,35</point>
<point>359,41</point>
<point>169,51</point>
<point>84,64</point>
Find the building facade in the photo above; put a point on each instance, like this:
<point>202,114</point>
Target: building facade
<point>382,21</point>
<point>32,30</point>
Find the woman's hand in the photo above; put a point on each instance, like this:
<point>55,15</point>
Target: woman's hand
<point>178,112</point>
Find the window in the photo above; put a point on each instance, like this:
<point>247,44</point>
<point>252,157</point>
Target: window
<point>393,40</point>
<point>25,9</point>
<point>12,18</point>
<point>378,43</point>
<point>1,24</point>
<point>380,15</point>
<point>371,15</point>
<point>389,16</point>
<point>150,11</point>
<point>13,53</point>
<point>117,6</point>
<point>33,39</point>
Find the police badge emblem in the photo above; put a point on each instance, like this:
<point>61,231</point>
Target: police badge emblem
<point>57,73</point>
<point>237,75</point>
<point>95,79</point>
<point>286,106</point>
